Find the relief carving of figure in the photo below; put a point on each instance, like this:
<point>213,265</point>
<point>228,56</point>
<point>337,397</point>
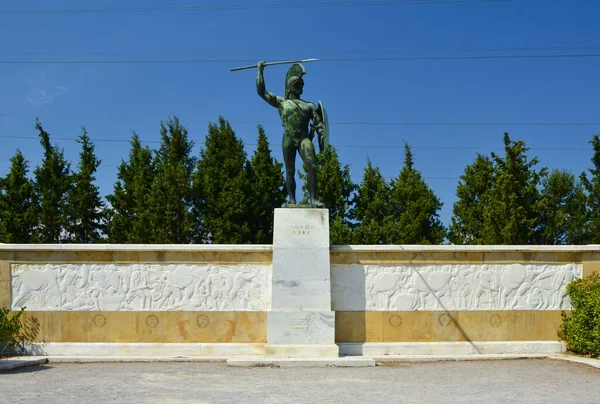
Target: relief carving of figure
<point>139,287</point>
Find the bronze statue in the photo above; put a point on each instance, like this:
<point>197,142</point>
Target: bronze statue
<point>296,115</point>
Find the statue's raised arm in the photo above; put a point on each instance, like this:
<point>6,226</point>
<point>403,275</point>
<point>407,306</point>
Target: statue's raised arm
<point>261,89</point>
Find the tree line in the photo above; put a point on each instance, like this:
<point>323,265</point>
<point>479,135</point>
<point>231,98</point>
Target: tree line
<point>167,195</point>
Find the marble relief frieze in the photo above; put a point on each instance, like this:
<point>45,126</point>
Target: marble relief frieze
<point>452,287</point>
<point>141,287</point>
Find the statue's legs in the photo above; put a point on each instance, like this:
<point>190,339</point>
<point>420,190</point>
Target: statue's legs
<point>289,158</point>
<point>307,152</point>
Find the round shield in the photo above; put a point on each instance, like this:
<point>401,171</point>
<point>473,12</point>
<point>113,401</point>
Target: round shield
<point>324,138</point>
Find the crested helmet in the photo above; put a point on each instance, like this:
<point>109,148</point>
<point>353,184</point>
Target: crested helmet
<point>294,73</point>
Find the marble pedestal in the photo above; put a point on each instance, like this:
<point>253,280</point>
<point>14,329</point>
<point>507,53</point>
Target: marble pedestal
<point>301,323</point>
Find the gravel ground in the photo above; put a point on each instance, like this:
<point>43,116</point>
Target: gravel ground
<point>506,381</point>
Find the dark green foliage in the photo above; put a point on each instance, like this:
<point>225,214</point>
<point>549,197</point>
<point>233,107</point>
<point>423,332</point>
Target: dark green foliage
<point>268,190</point>
<point>512,208</point>
<point>18,209</point>
<point>171,195</point>
<point>473,188</point>
<point>371,207</point>
<point>334,190</point>
<point>85,209</point>
<point>414,208</point>
<point>129,213</point>
<point>52,183</point>
<point>581,329</point>
<point>563,213</point>
<point>592,187</point>
<point>10,330</point>
<point>222,188</point>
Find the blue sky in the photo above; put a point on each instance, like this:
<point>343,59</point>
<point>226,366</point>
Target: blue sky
<point>135,97</point>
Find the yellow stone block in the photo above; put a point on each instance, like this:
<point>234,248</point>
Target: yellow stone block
<point>504,257</point>
<point>446,326</point>
<point>589,267</point>
<point>42,326</point>
<point>451,257</point>
<point>350,326</point>
<point>374,326</point>
<point>534,325</point>
<point>7,255</point>
<point>144,256</point>
<point>5,290</point>
<point>359,326</point>
<point>484,325</point>
<point>43,256</point>
<point>166,327</point>
<point>424,326</point>
<point>540,257</point>
<point>407,326</point>
<point>470,257</point>
<point>4,271</point>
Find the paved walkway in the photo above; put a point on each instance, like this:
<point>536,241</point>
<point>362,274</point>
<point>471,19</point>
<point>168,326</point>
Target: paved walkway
<point>506,381</point>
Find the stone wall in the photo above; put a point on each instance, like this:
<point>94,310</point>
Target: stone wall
<point>151,295</point>
<point>213,300</point>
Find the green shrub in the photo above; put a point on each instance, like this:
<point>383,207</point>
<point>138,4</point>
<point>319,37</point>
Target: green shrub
<point>11,339</point>
<point>581,329</point>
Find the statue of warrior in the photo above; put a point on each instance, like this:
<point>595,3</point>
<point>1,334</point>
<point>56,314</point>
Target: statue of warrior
<point>296,115</point>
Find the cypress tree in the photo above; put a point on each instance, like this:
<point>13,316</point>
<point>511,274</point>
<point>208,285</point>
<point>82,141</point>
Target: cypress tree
<point>414,217</point>
<point>371,207</point>
<point>268,189</point>
<point>171,196</point>
<point>563,214</point>
<point>221,186</point>
<point>85,209</point>
<point>130,211</point>
<point>18,207</point>
<point>592,188</point>
<point>472,192</point>
<point>52,183</point>
<point>512,211</point>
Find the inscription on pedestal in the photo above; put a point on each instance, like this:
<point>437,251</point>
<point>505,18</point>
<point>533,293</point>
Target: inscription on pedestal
<point>301,322</point>
<point>301,230</point>
<point>301,328</point>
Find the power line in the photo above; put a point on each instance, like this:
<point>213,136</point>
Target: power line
<point>339,59</point>
<point>344,123</point>
<point>323,51</point>
<point>234,7</point>
<point>336,146</point>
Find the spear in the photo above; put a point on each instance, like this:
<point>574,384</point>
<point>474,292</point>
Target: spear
<point>285,62</point>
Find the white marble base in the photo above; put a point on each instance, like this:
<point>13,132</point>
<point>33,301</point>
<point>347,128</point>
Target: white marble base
<point>301,323</point>
<point>304,264</point>
<point>301,351</point>
<point>301,270</point>
<point>301,327</point>
<point>451,348</point>
<point>222,351</point>
<point>118,349</point>
<point>301,295</point>
<point>301,362</point>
